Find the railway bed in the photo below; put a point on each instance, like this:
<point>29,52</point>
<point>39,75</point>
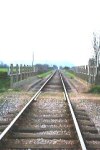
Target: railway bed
<point>47,123</point>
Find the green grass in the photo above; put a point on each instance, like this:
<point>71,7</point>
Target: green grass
<point>4,80</point>
<point>4,84</point>
<point>95,89</point>
<point>3,69</point>
<point>43,75</point>
<point>69,74</point>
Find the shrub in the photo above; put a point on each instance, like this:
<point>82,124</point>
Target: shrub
<point>95,89</point>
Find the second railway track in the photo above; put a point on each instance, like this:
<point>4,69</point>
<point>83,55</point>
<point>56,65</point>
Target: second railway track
<point>46,122</point>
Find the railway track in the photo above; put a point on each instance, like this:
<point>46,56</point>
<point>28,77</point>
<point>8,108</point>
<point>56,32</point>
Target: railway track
<point>48,122</point>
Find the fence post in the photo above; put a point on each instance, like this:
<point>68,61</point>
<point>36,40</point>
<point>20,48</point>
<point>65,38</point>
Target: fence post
<point>11,75</point>
<point>21,71</point>
<point>27,71</point>
<point>30,71</point>
<point>17,72</point>
<point>24,68</point>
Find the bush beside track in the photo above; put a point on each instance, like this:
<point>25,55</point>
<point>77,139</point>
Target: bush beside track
<point>95,89</point>
<point>4,80</point>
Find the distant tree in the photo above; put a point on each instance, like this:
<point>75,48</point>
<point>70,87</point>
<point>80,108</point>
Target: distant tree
<point>55,67</point>
<point>2,65</point>
<point>66,68</point>
<point>41,67</point>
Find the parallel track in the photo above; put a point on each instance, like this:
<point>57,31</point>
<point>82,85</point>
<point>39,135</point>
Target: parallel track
<point>46,122</point>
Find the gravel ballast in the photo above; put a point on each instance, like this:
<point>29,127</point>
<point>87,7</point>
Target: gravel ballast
<point>84,100</point>
<point>15,100</point>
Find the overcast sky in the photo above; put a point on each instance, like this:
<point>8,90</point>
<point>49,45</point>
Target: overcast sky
<point>57,31</point>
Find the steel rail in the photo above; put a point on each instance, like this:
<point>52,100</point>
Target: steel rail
<point>24,108</point>
<point>83,146</point>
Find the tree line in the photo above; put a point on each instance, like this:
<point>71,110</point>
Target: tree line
<point>3,65</point>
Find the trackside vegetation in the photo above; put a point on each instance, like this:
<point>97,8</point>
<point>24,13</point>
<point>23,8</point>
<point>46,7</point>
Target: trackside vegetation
<point>95,89</point>
<point>3,70</point>
<point>43,75</point>
<point>71,75</point>
<point>4,80</point>
<point>4,84</point>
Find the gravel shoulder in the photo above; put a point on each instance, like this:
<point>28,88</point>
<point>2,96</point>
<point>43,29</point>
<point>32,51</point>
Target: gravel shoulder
<point>12,101</point>
<point>15,100</point>
<point>84,100</point>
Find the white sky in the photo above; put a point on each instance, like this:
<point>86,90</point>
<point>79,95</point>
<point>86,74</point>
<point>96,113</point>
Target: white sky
<point>58,31</point>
